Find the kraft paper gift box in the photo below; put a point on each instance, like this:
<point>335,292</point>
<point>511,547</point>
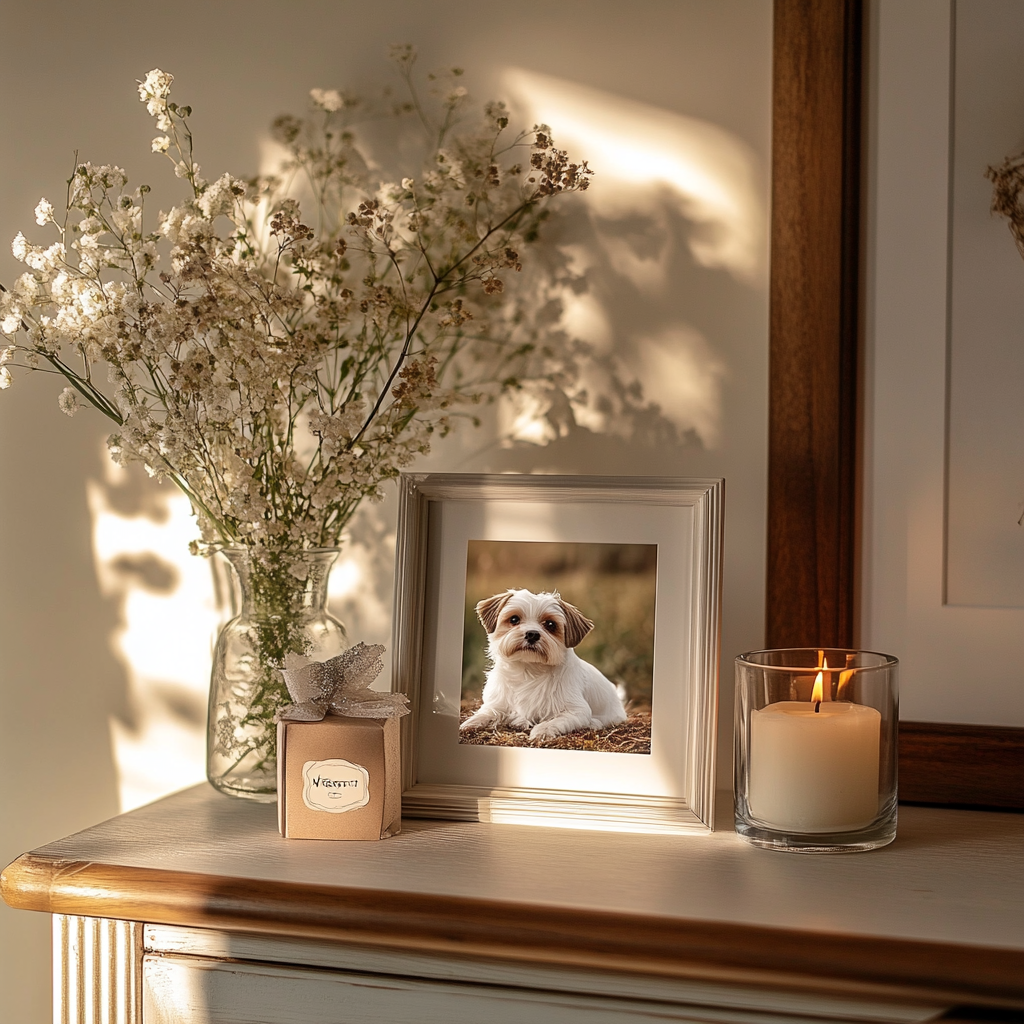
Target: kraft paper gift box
<point>339,778</point>
<point>339,772</point>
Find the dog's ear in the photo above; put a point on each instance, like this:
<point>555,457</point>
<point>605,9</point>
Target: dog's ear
<point>577,625</point>
<point>488,611</point>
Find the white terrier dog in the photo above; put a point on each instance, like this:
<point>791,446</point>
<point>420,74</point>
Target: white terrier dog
<point>538,682</point>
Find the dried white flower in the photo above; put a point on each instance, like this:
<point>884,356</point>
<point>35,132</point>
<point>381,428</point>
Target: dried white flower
<point>280,372</point>
<point>68,401</point>
<point>154,92</point>
<point>157,85</point>
<point>327,99</point>
<point>25,287</point>
<point>219,198</point>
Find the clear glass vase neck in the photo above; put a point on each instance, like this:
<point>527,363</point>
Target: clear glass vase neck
<point>291,583</point>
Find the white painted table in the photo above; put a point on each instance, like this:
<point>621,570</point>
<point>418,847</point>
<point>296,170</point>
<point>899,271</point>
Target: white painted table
<point>194,909</point>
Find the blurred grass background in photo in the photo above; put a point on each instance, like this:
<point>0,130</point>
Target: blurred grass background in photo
<point>613,585</point>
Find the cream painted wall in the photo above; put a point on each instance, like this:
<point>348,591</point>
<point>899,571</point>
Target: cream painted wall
<point>80,698</point>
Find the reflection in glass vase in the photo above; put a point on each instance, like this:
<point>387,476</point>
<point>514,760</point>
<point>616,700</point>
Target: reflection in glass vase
<point>281,615</point>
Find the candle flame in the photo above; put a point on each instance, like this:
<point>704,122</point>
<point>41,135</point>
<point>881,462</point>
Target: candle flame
<point>817,694</point>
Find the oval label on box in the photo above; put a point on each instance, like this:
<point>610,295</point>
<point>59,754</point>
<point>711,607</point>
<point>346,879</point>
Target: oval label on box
<point>335,785</point>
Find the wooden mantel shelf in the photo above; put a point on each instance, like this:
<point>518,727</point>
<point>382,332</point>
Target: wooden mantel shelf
<point>939,914</point>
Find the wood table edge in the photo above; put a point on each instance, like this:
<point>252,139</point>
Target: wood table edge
<point>553,936</point>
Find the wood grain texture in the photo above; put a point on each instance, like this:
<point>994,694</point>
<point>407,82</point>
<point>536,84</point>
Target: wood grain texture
<point>939,915</point>
<point>562,936</point>
<point>813,323</point>
<point>961,765</point>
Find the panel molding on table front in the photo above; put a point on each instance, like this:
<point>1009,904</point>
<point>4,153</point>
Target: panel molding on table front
<point>214,944</point>
<point>97,971</point>
<point>200,990</point>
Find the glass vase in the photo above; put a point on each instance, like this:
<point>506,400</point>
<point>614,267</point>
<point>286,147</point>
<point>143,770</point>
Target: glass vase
<point>280,606</point>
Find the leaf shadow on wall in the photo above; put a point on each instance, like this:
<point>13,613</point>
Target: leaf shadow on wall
<point>668,386</point>
<point>660,270</point>
<point>167,612</point>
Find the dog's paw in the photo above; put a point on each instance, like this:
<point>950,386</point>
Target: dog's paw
<point>476,721</point>
<point>544,731</point>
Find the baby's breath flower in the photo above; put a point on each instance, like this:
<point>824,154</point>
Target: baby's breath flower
<point>156,86</point>
<point>219,198</point>
<point>277,372</point>
<point>44,211</point>
<point>327,99</point>
<point>68,401</point>
<point>154,92</point>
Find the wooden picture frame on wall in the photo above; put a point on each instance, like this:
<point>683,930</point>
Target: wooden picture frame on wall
<point>815,426</point>
<point>814,323</point>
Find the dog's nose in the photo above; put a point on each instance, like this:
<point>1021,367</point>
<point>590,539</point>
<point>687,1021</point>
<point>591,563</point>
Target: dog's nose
<point>532,637</point>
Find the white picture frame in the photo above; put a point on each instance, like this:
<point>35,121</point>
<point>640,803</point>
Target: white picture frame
<point>670,790</point>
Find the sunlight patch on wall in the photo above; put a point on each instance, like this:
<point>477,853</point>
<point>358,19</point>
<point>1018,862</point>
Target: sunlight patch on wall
<point>684,376</point>
<point>662,181</point>
<point>168,621</point>
<point>523,417</point>
<point>640,150</point>
<point>360,588</point>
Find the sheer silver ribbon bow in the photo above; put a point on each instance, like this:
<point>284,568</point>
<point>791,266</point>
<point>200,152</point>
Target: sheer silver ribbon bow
<point>341,686</point>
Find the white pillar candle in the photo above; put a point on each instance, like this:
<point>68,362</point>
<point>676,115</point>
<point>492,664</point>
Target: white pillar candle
<point>814,770</point>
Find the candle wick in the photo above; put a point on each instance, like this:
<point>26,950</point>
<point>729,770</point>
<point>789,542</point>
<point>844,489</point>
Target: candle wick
<point>817,706</point>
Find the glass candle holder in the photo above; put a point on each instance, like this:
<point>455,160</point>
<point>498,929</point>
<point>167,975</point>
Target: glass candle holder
<point>815,762</point>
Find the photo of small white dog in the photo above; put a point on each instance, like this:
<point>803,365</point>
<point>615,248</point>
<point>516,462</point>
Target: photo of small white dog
<point>536,680</point>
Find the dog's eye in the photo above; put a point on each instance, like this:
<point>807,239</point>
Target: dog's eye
<point>551,625</point>
<point>513,620</point>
